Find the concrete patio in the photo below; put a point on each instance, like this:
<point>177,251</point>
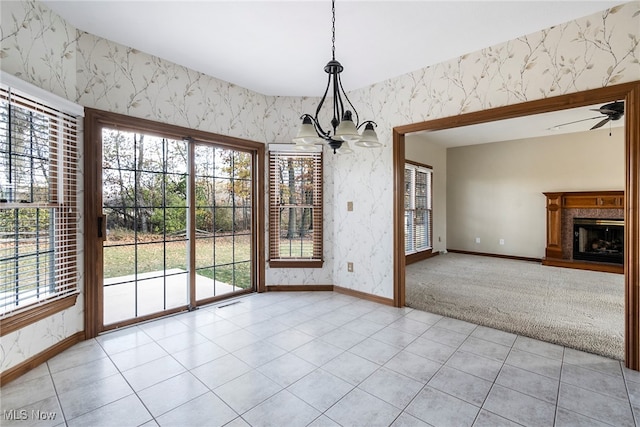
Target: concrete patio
<point>125,298</point>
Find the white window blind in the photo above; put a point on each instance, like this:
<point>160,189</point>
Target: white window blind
<point>295,206</point>
<point>418,209</point>
<point>38,201</point>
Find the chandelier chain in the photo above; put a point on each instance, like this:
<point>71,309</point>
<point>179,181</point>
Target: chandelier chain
<point>333,30</point>
<point>345,128</point>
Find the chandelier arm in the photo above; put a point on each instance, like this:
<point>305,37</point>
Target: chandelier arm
<point>340,111</point>
<point>355,112</point>
<point>321,132</point>
<point>338,106</point>
<point>365,123</point>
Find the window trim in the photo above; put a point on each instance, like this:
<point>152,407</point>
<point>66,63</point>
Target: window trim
<point>26,317</point>
<point>318,222</point>
<point>34,312</point>
<point>418,255</point>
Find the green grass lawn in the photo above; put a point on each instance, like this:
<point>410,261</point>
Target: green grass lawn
<point>223,258</point>
<point>296,248</point>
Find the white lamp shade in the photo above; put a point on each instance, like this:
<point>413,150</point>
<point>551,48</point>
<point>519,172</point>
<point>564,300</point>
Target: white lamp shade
<point>369,138</point>
<point>347,131</point>
<point>344,149</point>
<point>305,147</point>
<point>307,135</point>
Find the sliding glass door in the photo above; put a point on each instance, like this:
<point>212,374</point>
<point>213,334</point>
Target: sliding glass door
<point>223,212</point>
<point>145,249</point>
<point>177,226</point>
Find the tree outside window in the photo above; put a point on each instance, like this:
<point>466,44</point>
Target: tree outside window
<point>295,209</point>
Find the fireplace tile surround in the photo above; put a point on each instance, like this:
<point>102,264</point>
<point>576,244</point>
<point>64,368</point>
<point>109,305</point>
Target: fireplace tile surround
<point>562,208</point>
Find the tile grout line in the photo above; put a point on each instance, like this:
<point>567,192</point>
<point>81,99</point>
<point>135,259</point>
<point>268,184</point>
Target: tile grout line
<point>377,369</point>
<point>493,384</point>
<point>555,415</point>
<point>435,373</point>
<point>402,410</point>
<point>626,386</point>
<point>125,378</point>
<point>55,389</point>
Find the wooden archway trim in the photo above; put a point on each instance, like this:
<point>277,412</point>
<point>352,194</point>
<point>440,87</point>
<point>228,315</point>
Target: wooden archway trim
<point>630,92</point>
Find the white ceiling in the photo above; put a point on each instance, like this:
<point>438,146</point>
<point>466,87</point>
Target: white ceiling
<point>281,47</point>
<point>533,126</point>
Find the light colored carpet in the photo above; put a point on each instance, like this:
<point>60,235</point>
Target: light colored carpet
<point>576,308</point>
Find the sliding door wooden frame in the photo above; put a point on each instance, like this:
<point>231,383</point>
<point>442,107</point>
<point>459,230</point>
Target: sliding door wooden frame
<point>630,93</point>
<point>94,120</point>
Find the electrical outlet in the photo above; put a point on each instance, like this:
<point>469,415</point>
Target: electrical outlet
<point>477,240</point>
<point>349,206</point>
<point>502,241</point>
<point>350,267</point>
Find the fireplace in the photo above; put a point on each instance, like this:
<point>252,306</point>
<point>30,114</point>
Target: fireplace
<point>565,207</point>
<point>596,239</point>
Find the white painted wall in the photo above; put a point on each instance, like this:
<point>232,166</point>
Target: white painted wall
<point>494,191</point>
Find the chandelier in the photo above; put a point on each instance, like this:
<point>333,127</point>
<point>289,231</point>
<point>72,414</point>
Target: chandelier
<point>345,130</point>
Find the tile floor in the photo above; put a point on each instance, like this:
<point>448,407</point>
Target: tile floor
<point>320,359</point>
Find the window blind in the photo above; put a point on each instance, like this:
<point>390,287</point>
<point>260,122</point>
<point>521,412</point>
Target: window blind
<point>295,206</point>
<point>417,204</point>
<point>38,201</point>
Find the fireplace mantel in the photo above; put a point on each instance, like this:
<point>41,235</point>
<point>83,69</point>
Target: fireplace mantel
<point>562,206</point>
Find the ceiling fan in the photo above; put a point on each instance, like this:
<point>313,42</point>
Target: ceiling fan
<point>612,111</point>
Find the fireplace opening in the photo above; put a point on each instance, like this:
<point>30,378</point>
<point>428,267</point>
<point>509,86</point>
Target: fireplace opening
<point>600,240</point>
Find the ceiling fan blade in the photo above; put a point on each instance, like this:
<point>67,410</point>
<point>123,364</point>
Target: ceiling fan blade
<point>600,123</point>
<point>611,108</point>
<point>606,111</point>
<point>577,121</point>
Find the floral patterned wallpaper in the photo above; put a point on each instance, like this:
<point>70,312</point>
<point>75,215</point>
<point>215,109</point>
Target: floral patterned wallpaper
<point>596,51</point>
<point>41,48</point>
<point>120,79</point>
